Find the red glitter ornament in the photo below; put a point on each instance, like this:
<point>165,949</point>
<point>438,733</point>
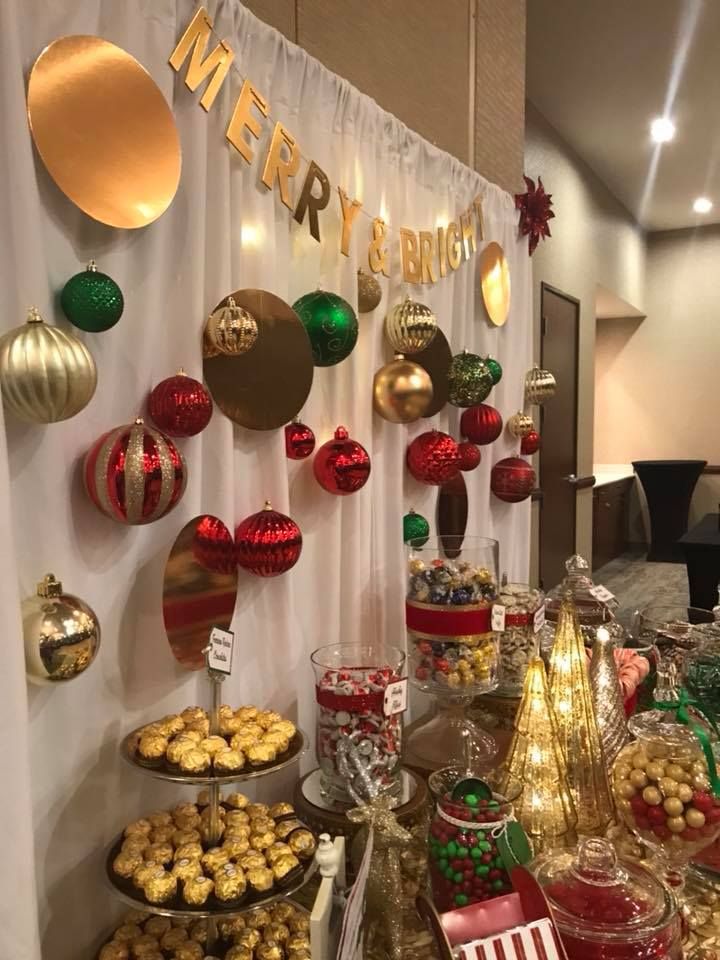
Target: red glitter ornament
<point>530,444</point>
<point>469,456</point>
<point>134,474</point>
<point>512,479</point>
<point>341,465</point>
<point>180,406</point>
<point>213,546</point>
<point>299,441</point>
<point>482,423</point>
<point>433,458</point>
<point>267,543</point>
<point>534,206</point>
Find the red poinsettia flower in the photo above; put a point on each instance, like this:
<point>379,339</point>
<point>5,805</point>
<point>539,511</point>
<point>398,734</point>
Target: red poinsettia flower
<point>534,207</point>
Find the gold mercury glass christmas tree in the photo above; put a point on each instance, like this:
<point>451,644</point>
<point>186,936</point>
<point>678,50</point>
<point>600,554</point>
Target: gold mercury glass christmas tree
<point>536,763</point>
<point>607,695</point>
<point>577,727</point>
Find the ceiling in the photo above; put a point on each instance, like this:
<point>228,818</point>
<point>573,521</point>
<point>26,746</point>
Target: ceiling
<point>600,70</point>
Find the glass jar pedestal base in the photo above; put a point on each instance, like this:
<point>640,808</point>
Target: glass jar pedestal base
<point>446,736</point>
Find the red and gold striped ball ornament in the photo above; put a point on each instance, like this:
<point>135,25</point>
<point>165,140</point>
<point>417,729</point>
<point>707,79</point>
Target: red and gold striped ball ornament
<point>482,423</point>
<point>268,543</point>
<point>180,406</point>
<point>134,474</point>
<point>512,479</point>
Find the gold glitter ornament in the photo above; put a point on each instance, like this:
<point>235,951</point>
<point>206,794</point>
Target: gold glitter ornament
<point>520,425</point>
<point>369,292</point>
<point>410,326</point>
<point>540,385</point>
<point>231,330</point>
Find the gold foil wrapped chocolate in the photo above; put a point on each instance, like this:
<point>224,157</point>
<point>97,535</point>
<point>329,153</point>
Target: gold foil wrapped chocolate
<point>237,818</point>
<point>276,851</point>
<point>235,846</point>
<point>195,761</point>
<point>261,753</point>
<point>269,950</point>
<point>115,950</point>
<point>157,926</point>
<point>163,834</point>
<point>281,809</point>
<point>266,718</point>
<point>252,860</point>
<point>236,800</point>
<point>284,866</point>
<point>228,928</point>
<point>298,941</point>
<point>229,886</point>
<point>248,938</point>
<point>144,872</point>
<point>144,946</point>
<point>228,761</point>
<point>230,725</point>
<point>239,952</point>
<point>188,821</point>
<point>276,931</point>
<point>213,745</point>
<point>247,714</point>
<point>152,747</point>
<point>142,827</point>
<point>260,879</point>
<point>189,951</point>
<point>198,931</point>
<point>172,724</point>
<point>125,864</point>
<point>286,827</point>
<point>186,870</point>
<point>302,843</point>
<point>277,740</point>
<point>159,818</point>
<point>258,918</point>
<point>283,911</point>
<point>195,892</point>
<point>214,859</point>
<point>161,887</point>
<point>127,932</point>
<point>255,810</point>
<point>177,748</point>
<point>300,923</point>
<point>181,837</point>
<point>185,809</point>
<point>286,727</point>
<point>159,852</point>
<point>190,714</point>
<point>261,841</point>
<point>189,851</point>
<point>173,937</point>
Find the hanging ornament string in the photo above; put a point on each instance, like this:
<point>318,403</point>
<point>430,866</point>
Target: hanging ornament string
<point>681,707</point>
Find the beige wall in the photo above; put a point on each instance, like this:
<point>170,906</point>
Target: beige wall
<point>659,377</point>
<point>453,71</point>
<point>595,240</point>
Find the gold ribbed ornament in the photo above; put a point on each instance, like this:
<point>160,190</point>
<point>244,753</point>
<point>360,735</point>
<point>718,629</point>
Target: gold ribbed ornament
<point>410,326</point>
<point>231,330</point>
<point>540,385</point>
<point>46,374</point>
<point>369,292</point>
<point>520,425</point>
<point>607,695</point>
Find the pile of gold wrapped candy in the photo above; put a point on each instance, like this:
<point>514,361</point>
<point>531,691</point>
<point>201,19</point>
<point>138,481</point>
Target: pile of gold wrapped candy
<point>278,932</point>
<point>167,858</point>
<point>182,742</point>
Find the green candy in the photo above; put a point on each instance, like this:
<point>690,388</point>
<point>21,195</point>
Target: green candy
<point>457,877</point>
<point>462,851</point>
<point>330,324</point>
<point>461,899</point>
<point>485,846</point>
<point>480,835</point>
<point>443,864</point>
<point>482,870</point>
<point>498,862</point>
<point>452,849</point>
<point>442,850</point>
<point>493,804</point>
<point>497,884</point>
<point>471,800</point>
<point>475,853</point>
<point>449,873</point>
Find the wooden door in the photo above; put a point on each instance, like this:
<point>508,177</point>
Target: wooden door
<point>560,316</point>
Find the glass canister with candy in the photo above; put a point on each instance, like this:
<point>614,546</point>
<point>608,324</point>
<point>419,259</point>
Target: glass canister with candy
<point>351,683</point>
<point>523,617</point>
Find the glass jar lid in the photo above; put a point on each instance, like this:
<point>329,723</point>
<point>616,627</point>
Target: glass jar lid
<point>665,736</point>
<point>579,584</point>
<point>598,897</point>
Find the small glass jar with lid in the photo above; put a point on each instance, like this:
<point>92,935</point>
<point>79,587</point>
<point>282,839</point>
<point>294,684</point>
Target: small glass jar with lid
<point>608,909</point>
<point>524,616</point>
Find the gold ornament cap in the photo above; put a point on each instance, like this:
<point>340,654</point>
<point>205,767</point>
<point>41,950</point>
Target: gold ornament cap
<point>49,587</point>
<point>34,316</point>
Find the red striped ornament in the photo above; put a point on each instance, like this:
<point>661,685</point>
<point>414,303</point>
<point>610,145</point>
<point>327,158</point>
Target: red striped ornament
<point>134,474</point>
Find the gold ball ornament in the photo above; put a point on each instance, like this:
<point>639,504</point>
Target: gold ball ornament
<point>369,292</point>
<point>61,634</point>
<point>46,374</point>
<point>520,425</point>
<point>402,390</point>
<point>540,385</point>
<point>231,331</point>
<point>410,326</point>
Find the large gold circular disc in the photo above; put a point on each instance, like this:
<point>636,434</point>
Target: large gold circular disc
<point>495,283</point>
<point>104,131</point>
<point>266,387</point>
<point>199,588</point>
<point>452,513</point>
<point>435,358</point>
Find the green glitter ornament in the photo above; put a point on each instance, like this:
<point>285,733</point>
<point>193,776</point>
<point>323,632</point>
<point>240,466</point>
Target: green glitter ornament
<point>495,369</point>
<point>469,380</point>
<point>331,325</point>
<point>415,529</point>
<point>92,301</point>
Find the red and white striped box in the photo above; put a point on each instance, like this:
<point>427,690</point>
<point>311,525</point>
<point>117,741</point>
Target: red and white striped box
<point>533,941</point>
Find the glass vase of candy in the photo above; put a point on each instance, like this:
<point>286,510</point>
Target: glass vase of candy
<point>453,653</point>
<point>665,785</point>
<point>351,683</point>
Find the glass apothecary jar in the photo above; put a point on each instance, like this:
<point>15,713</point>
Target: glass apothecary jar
<point>524,616</point>
<point>350,684</point>
<point>701,673</point>
<point>608,909</point>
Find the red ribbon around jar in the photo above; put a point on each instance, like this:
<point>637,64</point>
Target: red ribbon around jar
<point>428,619</point>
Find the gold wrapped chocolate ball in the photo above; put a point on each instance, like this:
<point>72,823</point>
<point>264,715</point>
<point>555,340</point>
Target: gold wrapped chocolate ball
<point>188,851</point>
<point>189,951</point>
<point>214,859</point>
<point>298,941</point>
<point>157,926</point>
<point>239,952</point>
<point>142,827</point>
<point>236,818</point>
<point>135,843</point>
<point>283,911</point>
<point>184,810</point>
<point>114,951</point>
<point>284,726</point>
<point>151,749</point>
<point>284,866</point>
<point>286,827</point>
<point>226,762</point>
<point>144,872</point>
<point>261,753</point>
<point>195,892</point>
<point>195,761</point>
<point>198,930</point>
<point>252,860</point>
<point>276,851</point>
<point>269,950</point>
<point>127,932</point>
<point>300,924</point>
<point>213,745</point>
<point>125,864</point>
<point>159,852</point>
<point>277,740</point>
<point>278,932</point>
<point>258,919</point>
<point>302,843</point>
<point>235,846</point>
<point>185,870</point>
<point>230,886</point>
<point>163,834</point>
<point>172,938</point>
<point>144,946</point>
<point>160,888</point>
<point>260,879</point>
<point>261,841</point>
<point>159,818</point>
<point>256,810</point>
<point>178,747</point>
<point>248,938</point>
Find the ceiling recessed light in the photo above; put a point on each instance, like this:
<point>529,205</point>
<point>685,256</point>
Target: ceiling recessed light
<point>662,129</point>
<point>703,205</point>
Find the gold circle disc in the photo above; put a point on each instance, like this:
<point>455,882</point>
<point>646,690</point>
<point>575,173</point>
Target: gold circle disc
<point>104,131</point>
<point>266,387</point>
<point>436,359</point>
<point>199,588</point>
<point>495,283</point>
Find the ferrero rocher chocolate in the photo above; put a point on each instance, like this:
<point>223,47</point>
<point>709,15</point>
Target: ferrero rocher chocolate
<point>298,941</point>
<point>243,741</point>
<point>228,761</point>
<point>178,747</point>
<point>247,714</point>
<point>114,951</point>
<point>215,858</point>
<point>143,827</point>
<point>279,932</point>
<point>235,846</point>
<point>160,852</point>
<point>152,747</point>
<point>269,951</point>
<point>172,938</point>
<point>135,843</point>
<point>125,864</point>
<point>157,926</point>
<point>198,931</point>
<point>186,869</point>
<point>300,923</point>
<point>136,917</point>
<point>298,955</point>
<point>283,911</point>
<point>237,818</point>
<point>127,932</point>
<point>144,872</point>
<point>237,800</point>
<point>195,892</point>
<point>239,952</point>
<point>161,887</point>
<point>188,821</point>
<point>261,753</point>
<point>228,928</point>
<point>258,918</point>
<point>276,851</point>
<point>282,809</point>
<point>213,745</point>
<point>284,866</point>
<point>189,851</point>
<point>181,837</point>
<point>262,825</point>
<point>195,761</point>
<point>277,740</point>
<point>197,736</point>
<point>266,718</point>
<point>190,714</point>
<point>144,946</point>
<point>284,726</point>
<point>252,860</point>
<point>302,843</point>
<point>260,879</point>
<point>172,724</point>
<point>286,827</point>
<point>248,938</point>
<point>162,834</point>
<point>160,818</point>
<point>261,841</point>
<point>189,951</point>
<point>229,886</point>
<point>230,725</point>
<point>255,810</point>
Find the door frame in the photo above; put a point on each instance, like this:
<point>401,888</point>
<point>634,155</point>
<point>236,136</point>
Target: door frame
<point>574,300</point>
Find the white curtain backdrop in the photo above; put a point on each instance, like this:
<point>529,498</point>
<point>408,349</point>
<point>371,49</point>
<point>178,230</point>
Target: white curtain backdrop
<point>66,790</point>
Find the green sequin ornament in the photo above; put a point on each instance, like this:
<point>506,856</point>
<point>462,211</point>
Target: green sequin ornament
<point>415,529</point>
<point>495,369</point>
<point>92,301</point>
<point>331,325</point>
<point>469,380</point>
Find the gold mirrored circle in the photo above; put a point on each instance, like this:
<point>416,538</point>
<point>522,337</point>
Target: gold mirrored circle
<point>452,514</point>
<point>199,588</point>
<point>436,359</point>
<point>266,387</point>
<point>104,131</point>
<point>495,283</point>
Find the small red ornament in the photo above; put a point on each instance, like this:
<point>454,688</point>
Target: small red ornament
<point>299,441</point>
<point>341,465</point>
<point>512,479</point>
<point>482,423</point>
<point>469,455</point>
<point>433,458</point>
<point>534,206</point>
<point>134,474</point>
<point>530,444</point>
<point>180,406</point>
<point>213,546</point>
<point>267,543</point>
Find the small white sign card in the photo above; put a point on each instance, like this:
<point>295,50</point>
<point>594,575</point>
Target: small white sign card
<point>220,650</point>
<point>395,700</point>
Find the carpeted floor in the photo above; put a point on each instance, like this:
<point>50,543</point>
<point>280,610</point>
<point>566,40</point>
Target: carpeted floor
<point>636,583</point>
